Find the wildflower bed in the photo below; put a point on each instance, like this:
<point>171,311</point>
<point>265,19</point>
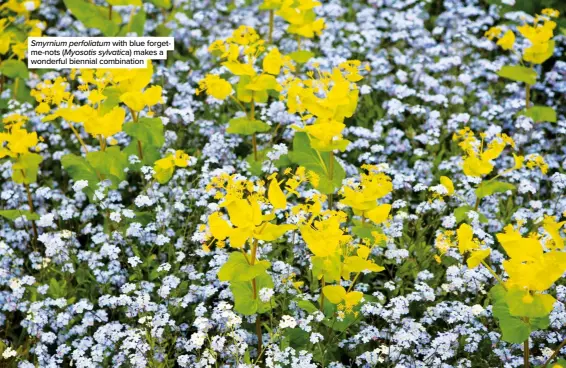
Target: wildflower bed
<point>340,183</point>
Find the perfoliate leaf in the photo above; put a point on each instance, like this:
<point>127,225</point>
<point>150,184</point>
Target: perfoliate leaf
<point>245,126</point>
<point>319,162</point>
<point>14,214</point>
<point>94,16</point>
<point>461,214</point>
<point>238,269</point>
<point>245,302</point>
<point>24,170</point>
<point>518,73</point>
<point>487,188</point>
<point>302,56</point>
<point>13,68</point>
<point>541,113</point>
<point>111,164</point>
<point>149,131</point>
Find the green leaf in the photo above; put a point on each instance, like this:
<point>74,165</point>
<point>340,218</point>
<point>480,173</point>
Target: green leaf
<point>14,214</point>
<point>364,230</point>
<point>135,25</point>
<point>14,69</point>
<point>78,168</point>
<point>166,4</point>
<point>94,16</point>
<point>541,113</point>
<point>461,214</point>
<point>538,305</point>
<point>150,155</point>
<point>519,74</point>
<point>302,56</point>
<point>245,302</point>
<point>24,170</point>
<point>319,162</point>
<point>513,329</point>
<point>112,99</point>
<point>56,289</point>
<point>237,268</point>
<point>245,126</point>
<point>124,2</point>
<point>296,338</point>
<point>146,130</point>
<point>327,267</point>
<point>306,305</point>
<point>487,188</point>
<point>111,163</point>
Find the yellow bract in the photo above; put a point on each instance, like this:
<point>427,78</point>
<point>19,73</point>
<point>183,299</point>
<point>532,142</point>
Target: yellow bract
<point>248,221</point>
<point>165,167</point>
<point>17,140</point>
<point>323,236</point>
<point>528,266</point>
<point>467,244</point>
<point>337,294</point>
<point>362,197</point>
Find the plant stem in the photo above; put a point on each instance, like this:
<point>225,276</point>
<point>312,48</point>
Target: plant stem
<point>322,285</point>
<point>331,177</point>
<point>15,87</point>
<point>493,273</point>
<point>556,352</point>
<point>32,209</point>
<point>140,149</point>
<point>76,133</point>
<point>254,296</point>
<point>102,143</point>
<point>526,353</point>
<point>477,205</point>
<point>110,12</point>
<point>258,334</point>
<point>271,22</point>
<point>298,43</point>
<point>252,118</point>
<point>527,96</point>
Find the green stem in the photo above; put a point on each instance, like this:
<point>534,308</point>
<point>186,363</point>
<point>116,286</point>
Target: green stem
<point>254,296</point>
<point>555,354</point>
<point>494,274</point>
<point>271,23</point>
<point>527,364</point>
<point>331,177</point>
<point>252,118</point>
<point>32,209</point>
<point>322,285</point>
<point>110,12</point>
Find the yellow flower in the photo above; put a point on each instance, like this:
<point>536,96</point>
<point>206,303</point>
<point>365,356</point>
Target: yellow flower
<point>553,13</point>
<point>337,294</point>
<point>447,183</point>
<point>507,41</point>
<point>492,33</point>
<point>553,227</point>
<point>364,196</point>
<point>276,195</point>
<point>106,125</point>
<point>165,167</point>
<point>5,40</point>
<point>248,221</point>
<point>215,87</point>
<point>466,244</point>
<point>273,62</point>
<point>323,236</point>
